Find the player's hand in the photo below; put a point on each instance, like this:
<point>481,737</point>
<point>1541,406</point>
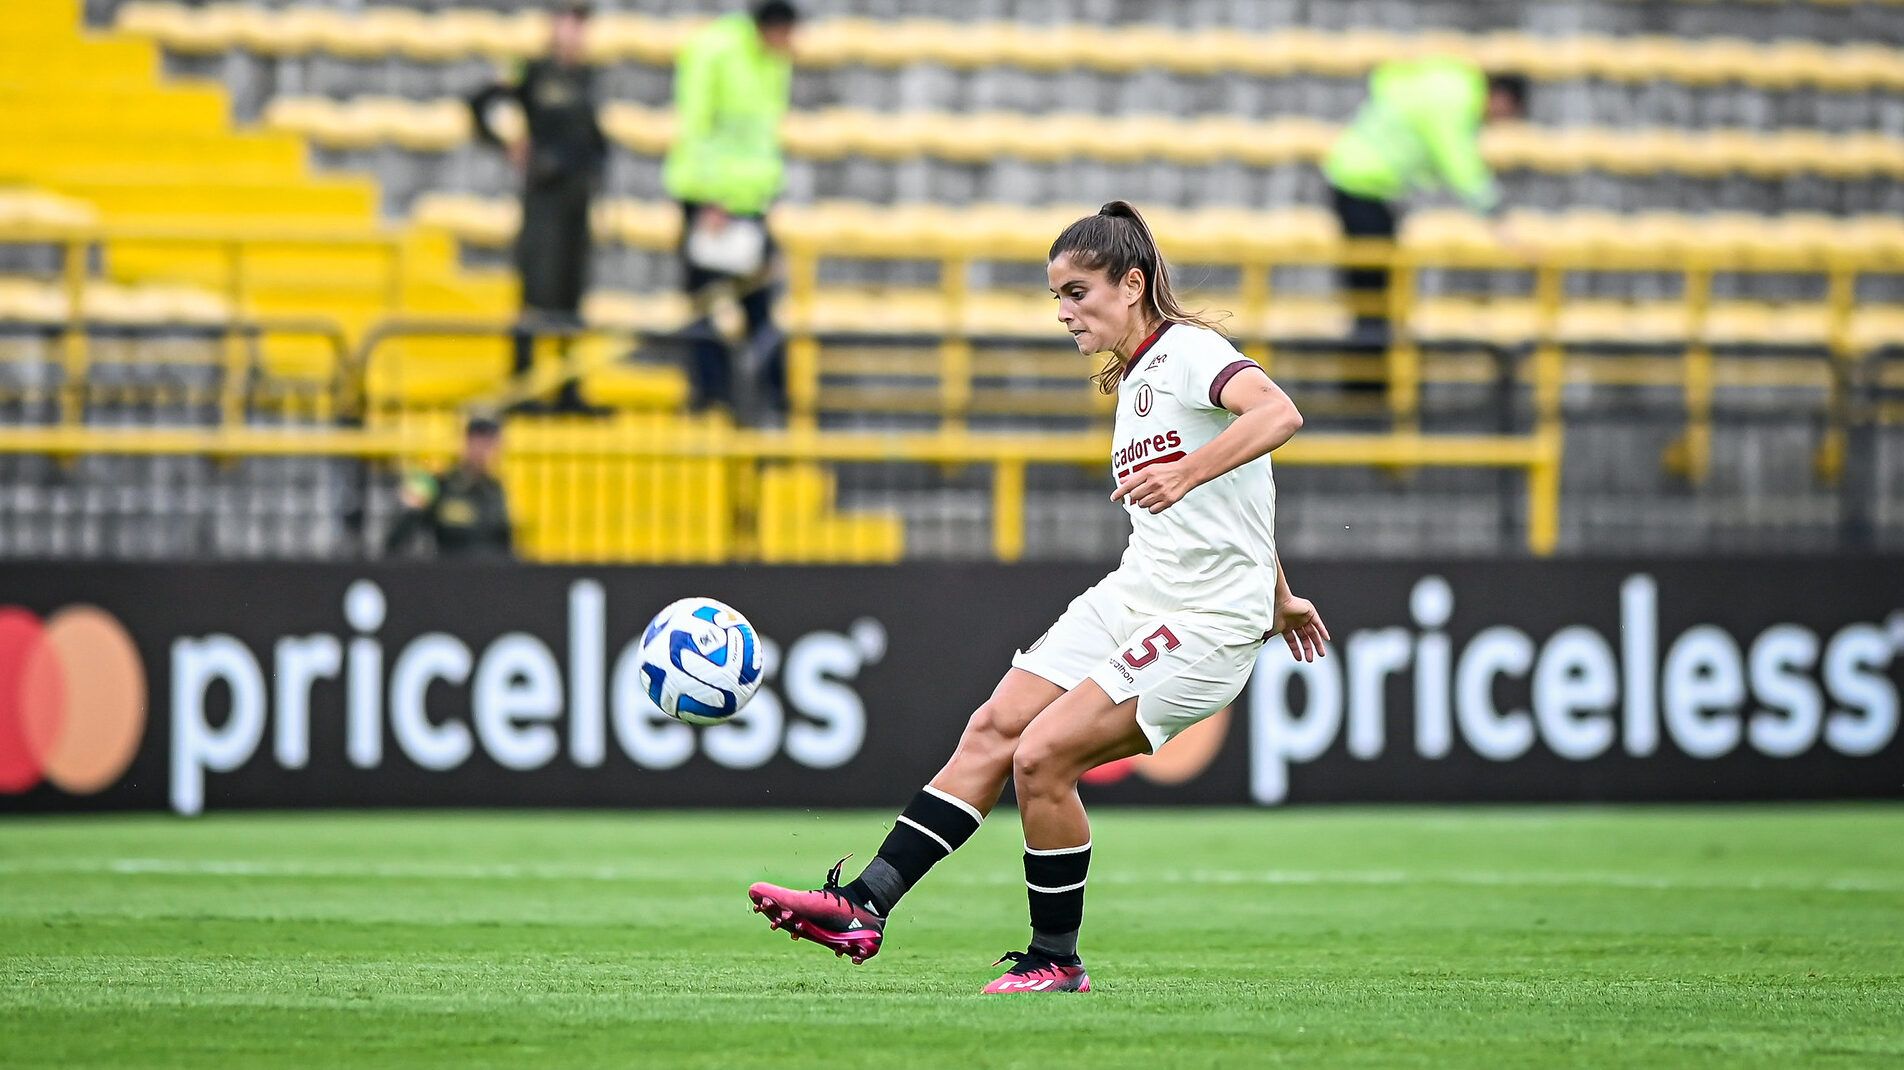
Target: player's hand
<point>1156,488</point>
<point>1301,627</point>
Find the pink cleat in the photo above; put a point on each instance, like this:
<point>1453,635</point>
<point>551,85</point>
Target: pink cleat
<point>825,917</point>
<point>1032,972</point>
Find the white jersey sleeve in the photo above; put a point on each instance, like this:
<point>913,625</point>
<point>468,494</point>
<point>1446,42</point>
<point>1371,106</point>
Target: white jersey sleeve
<point>1207,365</point>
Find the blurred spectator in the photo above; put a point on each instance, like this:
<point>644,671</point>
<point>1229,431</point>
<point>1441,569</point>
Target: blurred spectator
<point>1418,130</point>
<point>560,163</point>
<point>463,508</point>
<point>731,86</point>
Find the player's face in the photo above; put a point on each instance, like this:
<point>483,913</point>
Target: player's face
<point>1100,312</point>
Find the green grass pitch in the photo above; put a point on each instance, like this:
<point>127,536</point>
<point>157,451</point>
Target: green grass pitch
<point>1488,937</point>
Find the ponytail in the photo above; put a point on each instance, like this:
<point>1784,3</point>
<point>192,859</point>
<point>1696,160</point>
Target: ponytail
<point>1114,241</point>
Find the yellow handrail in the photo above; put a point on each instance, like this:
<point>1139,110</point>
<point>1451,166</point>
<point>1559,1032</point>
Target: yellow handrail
<point>1539,454</point>
<point>233,243</point>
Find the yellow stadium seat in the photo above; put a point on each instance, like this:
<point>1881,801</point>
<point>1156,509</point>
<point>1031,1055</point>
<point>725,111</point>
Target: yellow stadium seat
<point>1662,323</point>
<point>1768,324</point>
<point>1447,232</point>
<point>31,300</point>
<point>836,133</point>
<point>835,42</point>
<point>1790,62</point>
<point>202,31</point>
<point>1296,317</point>
<point>617,310</point>
<point>797,521</point>
<point>576,497</point>
<point>23,207</point>
<point>291,31</point>
<point>1503,323</point>
<point>850,228</point>
<point>478,220</point>
<point>1877,326</point>
<point>640,129</point>
<point>652,225</point>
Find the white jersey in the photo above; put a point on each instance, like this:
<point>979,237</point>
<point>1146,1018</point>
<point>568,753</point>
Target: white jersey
<point>1215,550</point>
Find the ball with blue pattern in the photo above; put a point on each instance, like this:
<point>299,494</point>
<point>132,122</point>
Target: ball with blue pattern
<point>700,661</point>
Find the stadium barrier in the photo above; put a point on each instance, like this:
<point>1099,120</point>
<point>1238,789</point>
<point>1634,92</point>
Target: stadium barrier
<point>593,484</point>
<point>1832,344</point>
<point>195,687</point>
<point>1836,356</point>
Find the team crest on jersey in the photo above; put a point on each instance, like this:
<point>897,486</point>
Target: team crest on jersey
<point>1143,400</point>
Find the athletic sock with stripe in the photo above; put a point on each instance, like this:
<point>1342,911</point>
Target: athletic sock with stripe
<point>932,826</point>
<point>1054,880</point>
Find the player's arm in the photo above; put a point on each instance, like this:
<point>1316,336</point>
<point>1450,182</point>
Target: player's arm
<point>1298,622</point>
<point>1265,419</point>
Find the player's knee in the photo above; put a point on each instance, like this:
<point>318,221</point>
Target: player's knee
<point>989,730</point>
<point>1034,762</point>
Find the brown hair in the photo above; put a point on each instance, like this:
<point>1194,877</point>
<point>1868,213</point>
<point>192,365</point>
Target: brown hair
<point>1114,241</point>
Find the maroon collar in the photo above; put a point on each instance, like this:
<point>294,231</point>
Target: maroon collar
<point>1145,348</point>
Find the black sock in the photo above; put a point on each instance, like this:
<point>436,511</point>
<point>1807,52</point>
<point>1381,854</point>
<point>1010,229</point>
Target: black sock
<point>1055,882</point>
<point>933,825</point>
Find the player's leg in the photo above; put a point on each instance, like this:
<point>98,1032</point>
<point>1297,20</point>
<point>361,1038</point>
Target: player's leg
<point>948,810</point>
<point>1169,674</point>
<point>1078,733</point>
<point>851,919</point>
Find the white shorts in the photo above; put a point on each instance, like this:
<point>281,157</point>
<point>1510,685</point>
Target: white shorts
<point>1181,666</point>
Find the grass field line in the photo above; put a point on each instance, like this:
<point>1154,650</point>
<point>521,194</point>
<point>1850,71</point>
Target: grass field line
<point>641,873</point>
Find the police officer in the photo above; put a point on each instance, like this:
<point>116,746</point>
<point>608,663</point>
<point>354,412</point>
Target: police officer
<point>731,86</point>
<point>561,164</point>
<point>1418,130</point>
<point>463,508</point>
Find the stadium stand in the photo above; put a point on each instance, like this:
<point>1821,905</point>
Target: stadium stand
<point>1713,187</point>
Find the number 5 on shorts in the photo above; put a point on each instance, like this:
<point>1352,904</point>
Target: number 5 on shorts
<point>1138,661</point>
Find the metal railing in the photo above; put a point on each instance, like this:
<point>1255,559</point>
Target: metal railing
<point>1550,350</point>
<point>745,456</point>
<point>603,457</point>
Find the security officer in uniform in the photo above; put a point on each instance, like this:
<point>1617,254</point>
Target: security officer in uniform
<point>561,165</point>
<point>463,509</point>
<point>1418,130</point>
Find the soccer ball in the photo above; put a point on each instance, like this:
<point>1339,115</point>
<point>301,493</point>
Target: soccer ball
<point>700,661</point>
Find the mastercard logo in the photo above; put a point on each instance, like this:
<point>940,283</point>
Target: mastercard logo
<point>72,699</point>
<point>1182,759</point>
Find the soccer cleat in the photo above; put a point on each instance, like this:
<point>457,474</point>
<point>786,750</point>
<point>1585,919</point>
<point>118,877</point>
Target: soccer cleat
<point>1032,972</point>
<point>826,917</point>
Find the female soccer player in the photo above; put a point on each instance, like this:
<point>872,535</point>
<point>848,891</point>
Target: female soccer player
<point>1165,640</point>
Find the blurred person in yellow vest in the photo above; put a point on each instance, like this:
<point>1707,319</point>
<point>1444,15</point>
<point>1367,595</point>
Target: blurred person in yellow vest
<point>462,508</point>
<point>1418,131</point>
<point>560,163</point>
<point>732,81</point>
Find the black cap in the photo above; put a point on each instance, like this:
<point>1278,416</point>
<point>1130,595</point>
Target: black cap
<point>771,13</point>
<point>575,9</point>
<point>482,425</point>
